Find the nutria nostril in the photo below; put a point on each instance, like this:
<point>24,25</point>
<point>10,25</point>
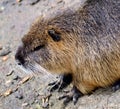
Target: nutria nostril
<point>20,56</point>
<point>20,59</point>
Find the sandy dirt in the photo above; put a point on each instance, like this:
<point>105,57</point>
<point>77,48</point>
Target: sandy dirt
<point>19,90</point>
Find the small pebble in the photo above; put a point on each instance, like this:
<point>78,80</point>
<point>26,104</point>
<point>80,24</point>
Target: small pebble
<point>8,82</point>
<point>33,2</point>
<point>7,92</point>
<point>19,94</point>
<point>59,1</point>
<point>45,105</point>
<point>36,101</point>
<point>5,58</point>
<point>1,47</point>
<point>2,8</point>
<point>38,106</point>
<point>25,79</point>
<point>24,104</point>
<point>5,51</point>
<point>51,104</point>
<point>16,77</point>
<point>18,0</point>
<point>10,73</point>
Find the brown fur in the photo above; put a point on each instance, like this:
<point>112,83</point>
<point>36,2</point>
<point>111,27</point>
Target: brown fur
<point>89,48</point>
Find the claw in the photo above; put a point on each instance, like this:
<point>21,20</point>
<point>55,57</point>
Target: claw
<point>54,85</point>
<point>116,85</point>
<point>62,97</point>
<point>67,100</point>
<point>73,95</point>
<point>75,98</point>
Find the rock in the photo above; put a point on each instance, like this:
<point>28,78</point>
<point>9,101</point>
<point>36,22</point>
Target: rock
<point>10,73</point>
<point>18,0</point>
<point>1,47</point>
<point>36,101</point>
<point>5,51</point>
<point>16,77</point>
<point>24,104</point>
<point>7,92</point>
<point>59,1</point>
<point>19,94</point>
<point>38,106</point>
<point>45,105</point>
<point>8,82</point>
<point>51,104</point>
<point>5,58</point>
<point>33,2</point>
<point>32,98</point>
<point>2,8</point>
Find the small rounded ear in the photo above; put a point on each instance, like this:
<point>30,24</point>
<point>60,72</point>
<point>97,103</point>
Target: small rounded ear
<point>55,36</point>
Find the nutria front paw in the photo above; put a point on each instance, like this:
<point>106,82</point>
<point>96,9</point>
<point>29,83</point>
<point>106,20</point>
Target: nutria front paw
<point>116,85</point>
<point>73,95</point>
<point>64,81</point>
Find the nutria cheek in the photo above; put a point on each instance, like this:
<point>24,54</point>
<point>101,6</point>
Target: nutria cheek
<point>42,56</point>
<point>34,57</point>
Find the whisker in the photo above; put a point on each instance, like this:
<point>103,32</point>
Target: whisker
<point>32,67</point>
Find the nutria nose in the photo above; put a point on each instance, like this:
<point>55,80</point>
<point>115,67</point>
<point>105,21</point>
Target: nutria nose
<point>19,56</point>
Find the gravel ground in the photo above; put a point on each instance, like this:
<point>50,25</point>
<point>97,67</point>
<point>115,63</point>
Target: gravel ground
<point>19,90</point>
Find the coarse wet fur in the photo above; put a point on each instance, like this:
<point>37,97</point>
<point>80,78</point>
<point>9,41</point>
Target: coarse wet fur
<point>84,43</point>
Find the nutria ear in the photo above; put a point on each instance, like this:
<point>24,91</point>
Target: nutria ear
<point>55,36</point>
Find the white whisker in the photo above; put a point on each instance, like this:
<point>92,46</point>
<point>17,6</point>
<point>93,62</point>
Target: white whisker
<point>34,68</point>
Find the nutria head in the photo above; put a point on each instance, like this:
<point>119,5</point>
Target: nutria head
<point>49,45</point>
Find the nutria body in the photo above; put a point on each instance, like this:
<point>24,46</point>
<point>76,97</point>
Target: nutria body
<point>84,43</point>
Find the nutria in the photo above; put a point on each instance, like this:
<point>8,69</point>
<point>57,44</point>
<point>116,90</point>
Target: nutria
<point>83,45</point>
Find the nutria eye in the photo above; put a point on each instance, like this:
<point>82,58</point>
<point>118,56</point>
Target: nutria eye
<point>55,36</point>
<point>38,48</point>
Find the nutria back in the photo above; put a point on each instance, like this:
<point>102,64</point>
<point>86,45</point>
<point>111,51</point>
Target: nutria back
<point>84,43</point>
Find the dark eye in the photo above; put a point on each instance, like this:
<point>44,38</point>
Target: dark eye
<point>38,47</point>
<point>55,36</point>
